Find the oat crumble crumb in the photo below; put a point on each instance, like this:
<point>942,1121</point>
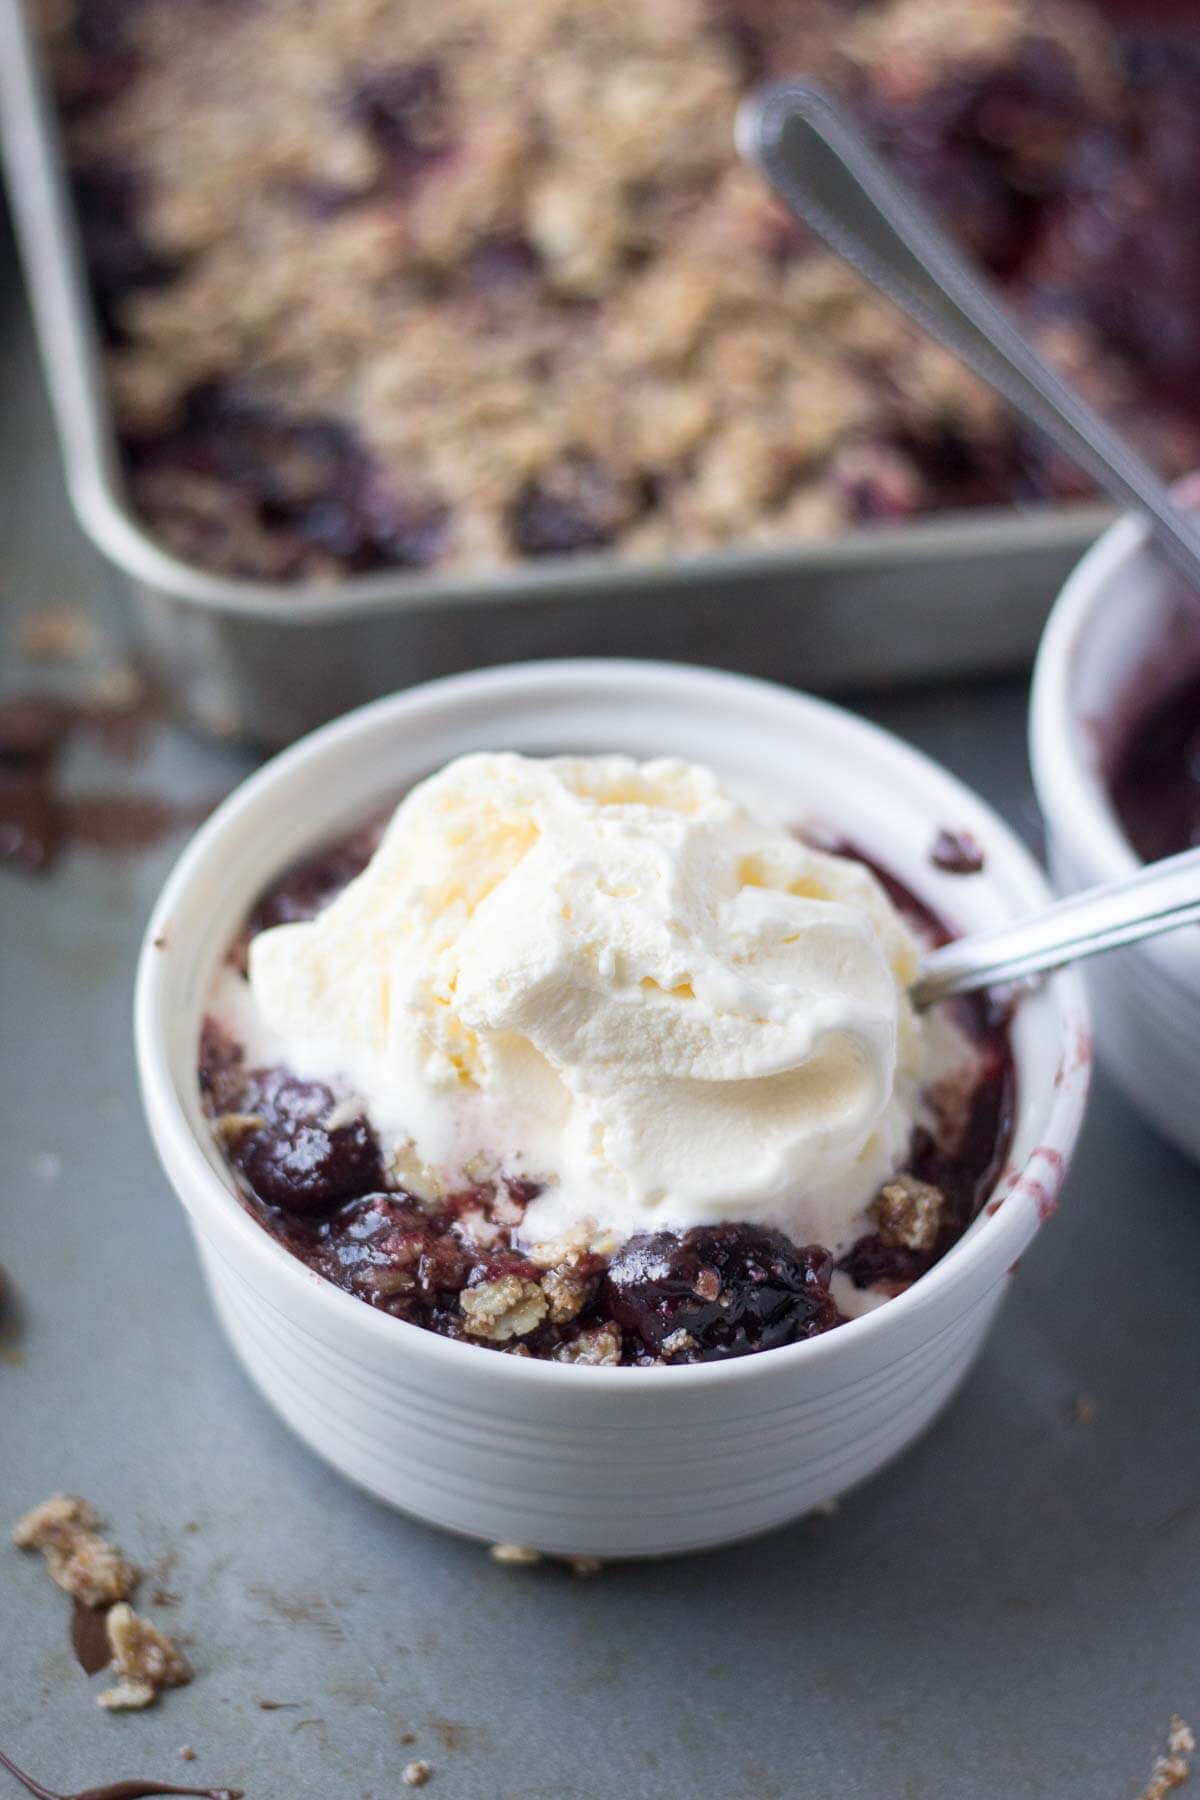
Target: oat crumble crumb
<point>678,1342</point>
<point>581,1240</point>
<point>908,1212</point>
<point>507,1308</point>
<point>234,1125</point>
<point>42,1524</point>
<point>58,634</point>
<point>128,1696</point>
<point>599,1347</point>
<point>118,690</point>
<point>516,1555</point>
<point>1172,1770</point>
<point>187,1753</point>
<point>566,1290</point>
<point>82,1563</point>
<point>1181,1739</point>
<point>707,1285</point>
<point>143,1659</point>
<point>416,1774</point>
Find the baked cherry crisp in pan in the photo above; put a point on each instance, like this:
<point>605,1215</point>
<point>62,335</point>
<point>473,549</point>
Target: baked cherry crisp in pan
<point>387,284</point>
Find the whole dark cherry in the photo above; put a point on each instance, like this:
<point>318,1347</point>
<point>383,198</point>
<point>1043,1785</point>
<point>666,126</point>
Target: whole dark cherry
<point>293,1160</point>
<point>578,504</point>
<point>718,1291</point>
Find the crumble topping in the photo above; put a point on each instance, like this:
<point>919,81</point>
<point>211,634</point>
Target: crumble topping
<point>908,1213</point>
<point>143,1660</point>
<point>231,1126</point>
<point>707,1284</point>
<point>599,1347</point>
<point>516,1555</point>
<point>567,1289</point>
<point>83,1563</point>
<point>1173,1769</point>
<point>507,1308</point>
<point>58,634</point>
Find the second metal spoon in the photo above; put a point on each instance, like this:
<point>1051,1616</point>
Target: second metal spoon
<point>822,165</point>
<point>1159,898</point>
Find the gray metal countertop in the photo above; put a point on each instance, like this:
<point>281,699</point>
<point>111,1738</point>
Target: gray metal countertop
<point>1010,1610</point>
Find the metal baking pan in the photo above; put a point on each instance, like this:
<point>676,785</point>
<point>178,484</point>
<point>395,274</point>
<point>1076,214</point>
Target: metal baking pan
<point>962,594</point>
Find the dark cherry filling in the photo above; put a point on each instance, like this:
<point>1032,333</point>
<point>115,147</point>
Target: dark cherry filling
<point>580,505</point>
<point>288,497</point>
<point>309,886</point>
<point>292,1159</point>
<point>718,1290</point>
<point>957,853</point>
<point>404,108</point>
<point>964,1176</point>
<point>1156,779</point>
<point>313,1177</point>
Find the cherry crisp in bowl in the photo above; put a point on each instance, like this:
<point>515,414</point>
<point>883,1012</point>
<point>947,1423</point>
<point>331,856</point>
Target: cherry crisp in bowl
<point>596,1420</point>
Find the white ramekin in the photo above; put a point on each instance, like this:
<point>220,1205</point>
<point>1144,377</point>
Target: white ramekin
<point>592,1461</point>
<point>1120,632</point>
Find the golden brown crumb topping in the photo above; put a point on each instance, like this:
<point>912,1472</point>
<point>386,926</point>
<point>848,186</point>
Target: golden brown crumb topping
<point>82,1563</point>
<point>143,1660</point>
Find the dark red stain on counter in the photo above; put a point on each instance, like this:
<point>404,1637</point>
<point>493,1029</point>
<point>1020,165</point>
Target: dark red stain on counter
<point>118,1790</point>
<point>38,820</point>
<point>89,1637</point>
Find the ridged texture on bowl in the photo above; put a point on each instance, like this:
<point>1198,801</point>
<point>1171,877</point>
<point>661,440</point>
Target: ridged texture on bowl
<point>639,1481</point>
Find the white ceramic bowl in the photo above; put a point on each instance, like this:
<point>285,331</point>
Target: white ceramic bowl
<point>593,1461</point>
<point>1120,631</point>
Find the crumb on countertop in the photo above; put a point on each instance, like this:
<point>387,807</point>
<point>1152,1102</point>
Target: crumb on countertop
<point>56,634</point>
<point>1173,1769</point>
<point>416,1774</point>
<point>83,1563</point>
<point>144,1661</point>
<point>518,1555</point>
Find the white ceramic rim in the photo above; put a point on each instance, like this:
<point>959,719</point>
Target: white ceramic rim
<point>997,1238</point>
<point>1071,790</point>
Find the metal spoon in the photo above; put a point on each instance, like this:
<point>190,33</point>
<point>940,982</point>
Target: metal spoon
<point>823,167</point>
<point>1159,898</point>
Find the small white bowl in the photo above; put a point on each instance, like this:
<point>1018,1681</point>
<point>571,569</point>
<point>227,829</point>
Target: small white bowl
<point>594,1461</point>
<point>1119,634</point>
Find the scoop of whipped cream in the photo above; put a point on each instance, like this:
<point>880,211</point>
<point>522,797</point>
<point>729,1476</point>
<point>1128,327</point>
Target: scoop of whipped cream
<point>611,978</point>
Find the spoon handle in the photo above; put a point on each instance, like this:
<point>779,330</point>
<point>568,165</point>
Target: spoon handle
<point>1161,897</point>
<point>823,167</point>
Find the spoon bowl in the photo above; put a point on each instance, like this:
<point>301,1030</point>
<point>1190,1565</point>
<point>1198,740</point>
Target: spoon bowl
<point>1161,897</point>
